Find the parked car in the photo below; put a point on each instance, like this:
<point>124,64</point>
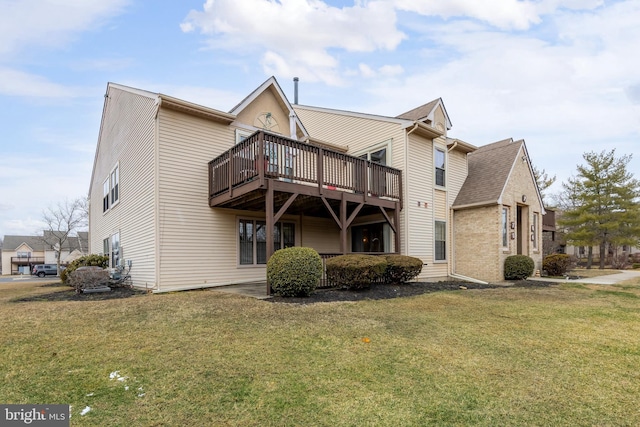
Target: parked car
<point>42,270</point>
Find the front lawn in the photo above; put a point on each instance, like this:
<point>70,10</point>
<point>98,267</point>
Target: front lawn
<point>565,355</point>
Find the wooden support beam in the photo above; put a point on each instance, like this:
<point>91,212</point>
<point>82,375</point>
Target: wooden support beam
<point>386,217</point>
<point>284,207</point>
<point>353,214</point>
<point>328,206</point>
<point>343,225</point>
<point>396,220</point>
<point>269,231</point>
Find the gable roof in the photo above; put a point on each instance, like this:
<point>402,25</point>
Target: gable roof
<point>489,169</point>
<point>37,243</point>
<point>426,112</point>
<point>270,84</point>
<point>11,243</point>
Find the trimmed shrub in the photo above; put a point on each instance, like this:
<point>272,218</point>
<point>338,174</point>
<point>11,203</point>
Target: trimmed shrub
<point>556,264</point>
<point>401,268</point>
<point>88,278</point>
<point>84,261</point>
<point>294,272</point>
<point>356,271</point>
<point>518,267</point>
<point>635,265</point>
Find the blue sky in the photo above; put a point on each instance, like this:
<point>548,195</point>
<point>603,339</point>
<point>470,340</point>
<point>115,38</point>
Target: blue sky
<point>561,74</point>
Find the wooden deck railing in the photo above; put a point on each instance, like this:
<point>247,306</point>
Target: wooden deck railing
<point>264,155</point>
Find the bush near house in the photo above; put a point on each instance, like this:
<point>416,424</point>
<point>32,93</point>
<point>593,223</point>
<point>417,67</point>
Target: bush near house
<point>294,272</point>
<point>401,268</point>
<point>556,264</point>
<point>356,271</point>
<point>84,261</point>
<point>88,277</point>
<point>518,267</point>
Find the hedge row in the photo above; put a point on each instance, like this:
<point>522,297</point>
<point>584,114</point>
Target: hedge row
<point>360,271</point>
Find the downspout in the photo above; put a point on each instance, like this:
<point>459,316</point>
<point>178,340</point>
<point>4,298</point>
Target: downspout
<point>156,195</point>
<point>453,252</point>
<point>406,188</point>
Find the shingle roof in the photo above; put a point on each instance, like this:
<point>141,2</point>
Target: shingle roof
<point>36,243</point>
<point>420,112</point>
<point>489,170</point>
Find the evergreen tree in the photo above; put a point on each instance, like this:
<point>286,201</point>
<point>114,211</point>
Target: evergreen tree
<point>543,181</point>
<point>602,205</point>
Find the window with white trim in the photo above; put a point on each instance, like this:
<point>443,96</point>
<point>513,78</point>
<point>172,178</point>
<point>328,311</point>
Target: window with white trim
<point>440,241</point>
<point>115,250</point>
<point>111,189</point>
<point>534,231</point>
<point>505,227</point>
<point>252,240</point>
<point>439,161</point>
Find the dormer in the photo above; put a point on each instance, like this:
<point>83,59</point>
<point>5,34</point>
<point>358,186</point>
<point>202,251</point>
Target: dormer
<point>432,113</point>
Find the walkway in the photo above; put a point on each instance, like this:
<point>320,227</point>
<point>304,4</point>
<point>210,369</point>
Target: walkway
<point>609,279</point>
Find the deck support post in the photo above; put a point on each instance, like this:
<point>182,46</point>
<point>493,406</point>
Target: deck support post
<point>269,224</point>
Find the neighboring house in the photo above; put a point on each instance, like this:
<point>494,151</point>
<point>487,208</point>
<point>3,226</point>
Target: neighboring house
<point>21,253</point>
<point>185,193</point>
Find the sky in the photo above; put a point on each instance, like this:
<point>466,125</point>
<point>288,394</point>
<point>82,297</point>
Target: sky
<point>561,74</point>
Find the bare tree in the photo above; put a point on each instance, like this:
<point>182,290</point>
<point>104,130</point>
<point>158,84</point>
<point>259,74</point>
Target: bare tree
<point>62,221</point>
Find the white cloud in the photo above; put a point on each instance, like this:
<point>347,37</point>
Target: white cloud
<point>297,37</point>
<point>19,83</point>
<point>565,94</point>
<point>503,14</point>
<point>50,22</point>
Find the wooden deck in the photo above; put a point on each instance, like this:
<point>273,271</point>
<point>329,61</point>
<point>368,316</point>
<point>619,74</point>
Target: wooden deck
<point>276,175</point>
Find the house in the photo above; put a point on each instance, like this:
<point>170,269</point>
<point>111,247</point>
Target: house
<point>184,194</point>
<point>21,253</point>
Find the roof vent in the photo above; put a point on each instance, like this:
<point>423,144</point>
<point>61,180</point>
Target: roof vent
<point>295,90</point>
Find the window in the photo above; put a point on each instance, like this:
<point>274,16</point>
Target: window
<point>241,135</point>
<point>23,254</point>
<point>105,196</point>
<point>439,162</point>
<point>105,247</point>
<point>111,189</point>
<point>441,241</point>
<point>115,250</point>
<point>115,179</point>
<point>534,231</point>
<point>253,240</point>
<point>505,227</point>
<point>370,237</point>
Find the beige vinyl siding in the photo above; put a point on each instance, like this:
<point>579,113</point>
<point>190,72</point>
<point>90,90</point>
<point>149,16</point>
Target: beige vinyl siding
<point>197,244</point>
<point>321,234</point>
<point>127,139</point>
<point>456,173</point>
<point>419,203</point>
<point>359,134</point>
<point>266,102</point>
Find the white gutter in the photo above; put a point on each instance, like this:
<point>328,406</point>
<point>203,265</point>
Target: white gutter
<point>468,279</point>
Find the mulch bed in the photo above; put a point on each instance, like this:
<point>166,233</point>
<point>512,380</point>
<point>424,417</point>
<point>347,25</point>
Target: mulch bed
<point>375,292</point>
<point>69,294</point>
<point>387,291</point>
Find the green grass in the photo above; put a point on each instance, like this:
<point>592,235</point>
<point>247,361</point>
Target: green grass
<point>562,356</point>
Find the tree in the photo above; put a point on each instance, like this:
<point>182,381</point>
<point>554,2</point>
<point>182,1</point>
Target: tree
<point>601,204</point>
<point>543,180</point>
<point>63,220</point>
